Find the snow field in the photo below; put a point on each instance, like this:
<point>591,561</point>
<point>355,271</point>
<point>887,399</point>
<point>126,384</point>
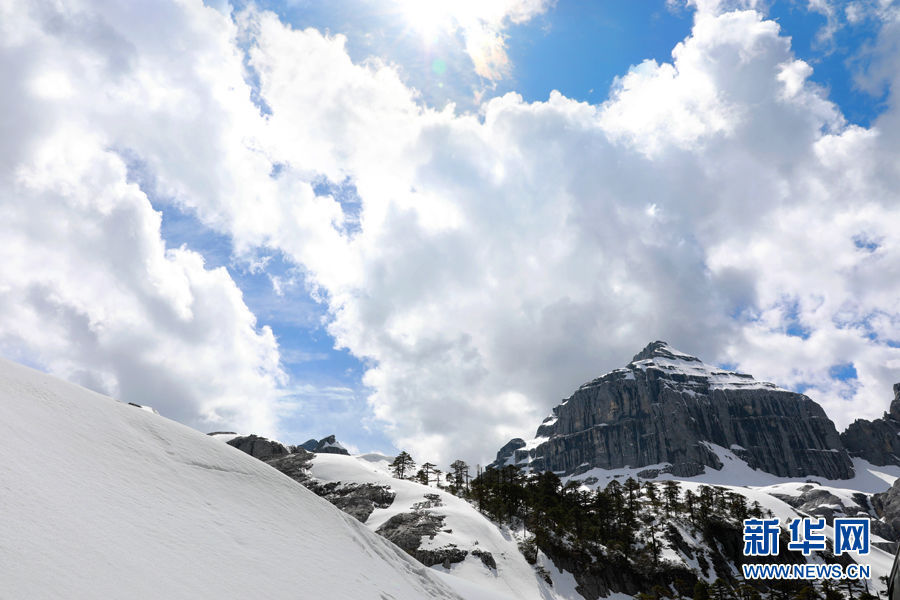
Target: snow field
<point>99,499</point>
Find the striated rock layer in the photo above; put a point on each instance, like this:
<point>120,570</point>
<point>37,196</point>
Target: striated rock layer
<point>666,407</point>
<point>876,441</point>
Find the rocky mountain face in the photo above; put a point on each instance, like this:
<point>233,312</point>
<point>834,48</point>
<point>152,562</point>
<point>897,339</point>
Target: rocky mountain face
<point>876,441</point>
<point>886,506</point>
<point>668,408</point>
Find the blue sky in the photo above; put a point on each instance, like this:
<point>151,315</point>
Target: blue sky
<point>375,218</point>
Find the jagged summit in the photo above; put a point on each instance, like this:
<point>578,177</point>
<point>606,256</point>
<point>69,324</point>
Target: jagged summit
<point>670,410</point>
<point>661,356</point>
<point>660,349</point>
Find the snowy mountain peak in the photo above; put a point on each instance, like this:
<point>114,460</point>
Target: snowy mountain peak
<point>660,349</point>
<point>667,406</point>
<point>661,356</point>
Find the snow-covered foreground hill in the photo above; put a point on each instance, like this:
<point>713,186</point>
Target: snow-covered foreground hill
<point>463,527</point>
<point>99,499</point>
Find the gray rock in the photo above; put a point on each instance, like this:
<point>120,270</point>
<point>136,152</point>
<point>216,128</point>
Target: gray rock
<point>330,445</point>
<point>149,409</point>
<point>309,445</point>
<point>295,465</point>
<point>358,500</point>
<point>445,556</point>
<point>430,501</point>
<point>668,407</point>
<point>887,509</point>
<point>407,529</point>
<point>486,558</point>
<point>259,447</point>
<point>327,445</point>
<point>508,451</point>
<point>819,503</point>
<point>876,441</point>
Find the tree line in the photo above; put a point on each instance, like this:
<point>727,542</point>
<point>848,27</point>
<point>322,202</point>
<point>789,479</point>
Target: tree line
<point>456,479</point>
<point>627,524</point>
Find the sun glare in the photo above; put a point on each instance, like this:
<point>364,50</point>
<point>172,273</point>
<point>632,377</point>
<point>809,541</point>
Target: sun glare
<point>429,18</point>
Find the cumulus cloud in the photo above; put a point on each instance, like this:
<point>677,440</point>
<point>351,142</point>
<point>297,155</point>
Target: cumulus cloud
<point>88,288</point>
<point>504,259</point>
<point>498,259</point>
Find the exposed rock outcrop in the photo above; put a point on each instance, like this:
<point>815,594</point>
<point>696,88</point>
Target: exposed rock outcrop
<point>487,559</point>
<point>327,445</point>
<point>669,408</point>
<point>407,531</point>
<point>295,465</point>
<point>259,447</point>
<point>149,409</point>
<point>876,441</point>
<point>330,445</point>
<point>309,445</point>
<point>358,500</point>
<point>509,449</point>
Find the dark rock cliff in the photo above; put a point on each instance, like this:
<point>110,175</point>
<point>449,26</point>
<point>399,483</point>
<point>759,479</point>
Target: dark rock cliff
<point>876,441</point>
<point>887,509</point>
<point>666,407</point>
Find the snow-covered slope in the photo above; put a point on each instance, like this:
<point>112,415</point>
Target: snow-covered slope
<point>99,499</point>
<point>463,526</point>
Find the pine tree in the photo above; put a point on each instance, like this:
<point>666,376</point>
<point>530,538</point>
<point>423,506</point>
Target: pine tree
<point>738,506</point>
<point>719,590</point>
<point>652,496</point>
<point>403,464</point>
<point>690,502</point>
<point>421,477</point>
<point>670,497</point>
<point>632,492</point>
<point>428,469</point>
<point>659,592</point>
<point>701,590</point>
<point>460,471</point>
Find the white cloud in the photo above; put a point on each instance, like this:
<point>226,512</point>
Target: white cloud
<point>88,288</point>
<point>500,259</point>
<point>480,22</point>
